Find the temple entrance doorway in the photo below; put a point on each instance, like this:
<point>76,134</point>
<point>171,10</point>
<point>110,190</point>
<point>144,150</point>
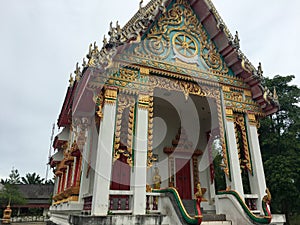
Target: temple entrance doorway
<point>180,126</point>
<point>183,177</point>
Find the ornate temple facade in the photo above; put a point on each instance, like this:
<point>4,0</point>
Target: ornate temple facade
<point>160,125</point>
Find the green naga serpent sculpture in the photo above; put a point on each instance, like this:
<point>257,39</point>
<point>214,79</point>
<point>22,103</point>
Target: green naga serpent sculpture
<point>261,219</point>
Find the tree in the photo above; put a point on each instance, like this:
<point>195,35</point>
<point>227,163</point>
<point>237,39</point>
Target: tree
<point>6,181</point>
<point>280,145</point>
<point>32,178</point>
<point>11,195</point>
<point>14,177</point>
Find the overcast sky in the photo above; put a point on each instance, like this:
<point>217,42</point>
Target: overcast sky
<point>41,41</point>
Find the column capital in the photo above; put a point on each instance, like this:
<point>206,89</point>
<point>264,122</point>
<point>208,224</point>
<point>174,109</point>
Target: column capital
<point>252,119</point>
<point>229,114</point>
<point>143,101</point>
<point>110,95</point>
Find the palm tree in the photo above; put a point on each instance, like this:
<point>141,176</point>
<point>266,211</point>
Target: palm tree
<point>32,178</point>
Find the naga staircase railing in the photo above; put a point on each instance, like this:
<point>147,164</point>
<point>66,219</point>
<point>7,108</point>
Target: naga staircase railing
<point>192,220</point>
<point>258,219</point>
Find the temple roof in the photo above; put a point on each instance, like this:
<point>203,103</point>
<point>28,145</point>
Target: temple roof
<point>227,45</point>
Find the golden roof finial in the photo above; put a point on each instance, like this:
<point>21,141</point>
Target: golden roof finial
<point>141,3</point>
<point>111,29</point>
<point>89,55</point>
<point>77,72</point>
<point>259,69</point>
<point>71,80</point>
<point>104,41</point>
<point>95,46</point>
<point>119,30</point>
<point>84,63</point>
<point>236,40</point>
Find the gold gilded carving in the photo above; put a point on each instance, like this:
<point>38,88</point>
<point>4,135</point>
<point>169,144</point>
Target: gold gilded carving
<point>93,55</point>
<point>222,139</point>
<point>110,95</point>
<point>187,87</point>
<point>248,93</point>
<point>185,45</point>
<point>99,99</point>
<point>226,88</point>
<point>150,157</point>
<point>242,139</point>
<point>191,38</point>
<point>144,101</point>
<point>267,198</point>
<point>247,66</point>
<point>124,102</point>
<point>229,114</point>
<point>252,119</point>
<point>129,75</point>
<point>237,96</point>
<point>144,70</point>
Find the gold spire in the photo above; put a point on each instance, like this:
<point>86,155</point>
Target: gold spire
<point>84,63</point>
<point>236,40</point>
<point>77,72</point>
<point>104,41</point>
<point>71,80</point>
<point>259,70</point>
<point>141,3</point>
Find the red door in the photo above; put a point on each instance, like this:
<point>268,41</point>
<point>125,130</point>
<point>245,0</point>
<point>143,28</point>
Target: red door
<point>183,178</point>
<point>120,175</point>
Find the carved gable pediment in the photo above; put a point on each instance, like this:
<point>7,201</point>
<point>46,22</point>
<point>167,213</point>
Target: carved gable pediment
<point>178,36</point>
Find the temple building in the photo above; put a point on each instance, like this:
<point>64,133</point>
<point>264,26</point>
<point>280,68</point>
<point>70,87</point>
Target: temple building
<point>160,125</point>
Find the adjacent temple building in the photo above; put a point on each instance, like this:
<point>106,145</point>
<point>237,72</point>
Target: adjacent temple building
<point>160,125</point>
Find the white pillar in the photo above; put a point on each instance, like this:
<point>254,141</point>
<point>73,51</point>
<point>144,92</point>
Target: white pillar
<point>56,183</point>
<point>66,178</point>
<point>140,162</point>
<point>85,154</point>
<point>103,165</point>
<point>257,181</point>
<point>236,177</point>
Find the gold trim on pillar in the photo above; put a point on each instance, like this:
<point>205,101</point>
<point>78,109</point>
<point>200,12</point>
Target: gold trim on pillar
<point>124,101</point>
<point>225,166</point>
<point>239,125</point>
<point>150,157</point>
<point>144,101</point>
<point>252,119</point>
<point>110,95</point>
<point>229,114</point>
<point>99,100</point>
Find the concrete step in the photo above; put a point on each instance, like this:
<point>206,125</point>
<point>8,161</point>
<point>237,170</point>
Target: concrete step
<point>216,223</point>
<point>189,206</point>
<point>211,216</point>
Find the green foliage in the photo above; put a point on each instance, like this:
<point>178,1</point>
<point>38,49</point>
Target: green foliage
<point>14,178</point>
<point>10,194</point>
<point>280,145</point>
<point>32,178</point>
<point>49,181</point>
